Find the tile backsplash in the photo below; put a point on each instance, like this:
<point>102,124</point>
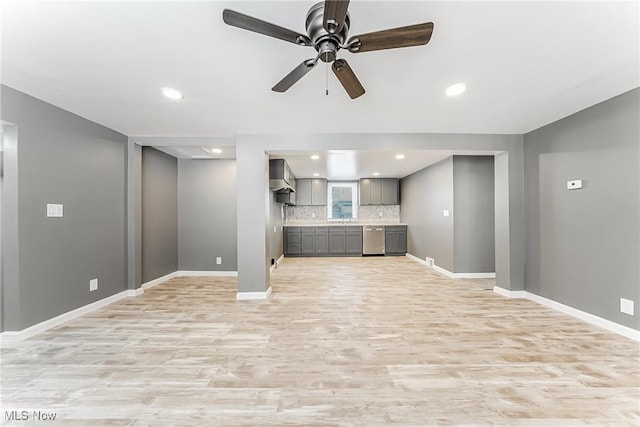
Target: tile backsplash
<point>309,214</point>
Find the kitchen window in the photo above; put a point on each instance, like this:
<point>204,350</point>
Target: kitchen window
<point>342,200</point>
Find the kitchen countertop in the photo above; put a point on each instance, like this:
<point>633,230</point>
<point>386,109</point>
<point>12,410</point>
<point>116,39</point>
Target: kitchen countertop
<point>343,224</point>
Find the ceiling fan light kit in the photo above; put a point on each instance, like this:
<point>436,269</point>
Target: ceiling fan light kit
<point>327,27</point>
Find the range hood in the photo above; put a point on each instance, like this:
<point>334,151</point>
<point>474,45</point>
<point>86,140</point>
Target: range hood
<point>280,186</point>
<point>281,179</point>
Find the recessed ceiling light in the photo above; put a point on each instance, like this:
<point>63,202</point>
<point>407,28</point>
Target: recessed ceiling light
<point>316,174</point>
<point>172,93</point>
<point>376,174</point>
<point>399,156</point>
<point>456,89</point>
<point>315,157</point>
<point>216,150</point>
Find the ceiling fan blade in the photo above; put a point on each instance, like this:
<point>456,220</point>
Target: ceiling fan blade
<point>412,35</point>
<point>335,12</point>
<point>246,22</point>
<point>299,72</point>
<point>347,78</point>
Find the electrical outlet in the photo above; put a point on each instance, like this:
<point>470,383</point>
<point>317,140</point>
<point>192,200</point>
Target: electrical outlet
<point>93,285</point>
<point>574,184</point>
<point>626,306</point>
<point>219,260</point>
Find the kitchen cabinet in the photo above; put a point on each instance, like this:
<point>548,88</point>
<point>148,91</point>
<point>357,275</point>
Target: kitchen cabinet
<point>321,242</point>
<point>292,239</point>
<point>311,192</point>
<point>390,191</point>
<point>353,237</point>
<point>337,240</point>
<point>280,176</point>
<point>379,191</point>
<point>395,239</point>
<point>307,241</point>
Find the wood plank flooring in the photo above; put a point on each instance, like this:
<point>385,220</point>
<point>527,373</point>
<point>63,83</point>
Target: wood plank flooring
<point>340,342</point>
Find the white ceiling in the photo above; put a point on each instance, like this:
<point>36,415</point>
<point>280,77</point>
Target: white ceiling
<point>525,64</point>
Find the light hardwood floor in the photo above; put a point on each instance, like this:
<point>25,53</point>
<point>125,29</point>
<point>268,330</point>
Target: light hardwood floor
<point>341,341</point>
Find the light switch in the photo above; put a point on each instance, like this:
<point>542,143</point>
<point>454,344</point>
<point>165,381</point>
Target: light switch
<point>445,212</point>
<point>54,210</point>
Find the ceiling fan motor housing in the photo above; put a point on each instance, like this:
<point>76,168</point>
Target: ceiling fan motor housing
<point>325,43</point>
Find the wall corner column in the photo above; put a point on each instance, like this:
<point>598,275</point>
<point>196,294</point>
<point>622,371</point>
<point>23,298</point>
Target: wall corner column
<point>134,216</point>
<point>509,217</point>
<point>252,200</point>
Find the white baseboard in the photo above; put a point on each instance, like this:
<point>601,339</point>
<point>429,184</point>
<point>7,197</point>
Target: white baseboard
<point>574,312</point>
<point>156,282</point>
<point>134,292</point>
<point>277,263</point>
<point>253,295</point>
<point>206,273</point>
<point>15,336</point>
<point>416,259</point>
<point>429,263</point>
<point>509,294</point>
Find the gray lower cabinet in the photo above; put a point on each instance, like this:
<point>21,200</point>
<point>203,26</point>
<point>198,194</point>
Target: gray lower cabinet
<point>353,236</point>
<point>323,241</point>
<point>307,241</point>
<point>337,240</point>
<point>395,240</point>
<point>292,239</point>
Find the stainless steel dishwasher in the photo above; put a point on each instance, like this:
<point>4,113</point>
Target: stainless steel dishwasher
<point>373,240</point>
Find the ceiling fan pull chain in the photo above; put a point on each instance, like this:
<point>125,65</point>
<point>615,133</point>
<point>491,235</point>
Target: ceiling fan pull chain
<point>326,75</point>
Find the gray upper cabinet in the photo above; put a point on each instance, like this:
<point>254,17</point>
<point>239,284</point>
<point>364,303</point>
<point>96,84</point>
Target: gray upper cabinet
<point>311,192</point>
<point>365,191</point>
<point>280,175</point>
<point>379,191</point>
<point>303,192</point>
<point>390,193</point>
<point>319,192</point>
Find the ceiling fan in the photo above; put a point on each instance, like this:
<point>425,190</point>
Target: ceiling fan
<point>327,28</point>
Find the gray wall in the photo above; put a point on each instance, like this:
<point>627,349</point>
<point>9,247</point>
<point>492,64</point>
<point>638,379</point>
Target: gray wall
<point>64,158</point>
<point>582,246</point>
<point>159,246</point>
<point>274,231</point>
<point>464,241</point>
<point>207,215</point>
<point>474,214</point>
<point>425,195</point>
